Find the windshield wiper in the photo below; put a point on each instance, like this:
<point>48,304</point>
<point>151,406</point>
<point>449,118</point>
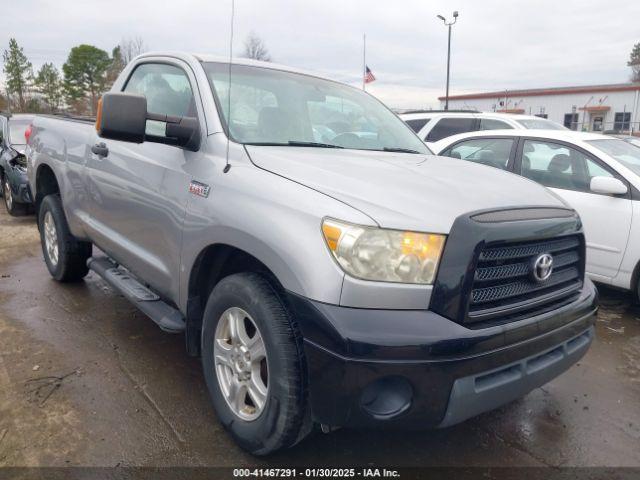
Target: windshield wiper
<point>400,150</point>
<point>294,143</point>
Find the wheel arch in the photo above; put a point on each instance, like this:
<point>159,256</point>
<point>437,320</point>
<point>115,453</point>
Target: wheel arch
<point>635,277</point>
<point>212,264</point>
<point>46,184</point>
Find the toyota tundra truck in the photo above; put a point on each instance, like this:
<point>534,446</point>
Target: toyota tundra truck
<point>327,268</point>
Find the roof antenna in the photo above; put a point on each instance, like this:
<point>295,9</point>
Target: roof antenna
<point>227,167</point>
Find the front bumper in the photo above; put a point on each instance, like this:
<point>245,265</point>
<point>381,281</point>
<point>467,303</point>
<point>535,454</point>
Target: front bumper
<point>417,369</point>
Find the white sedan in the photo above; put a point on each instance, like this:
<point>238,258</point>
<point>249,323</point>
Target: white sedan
<point>599,176</point>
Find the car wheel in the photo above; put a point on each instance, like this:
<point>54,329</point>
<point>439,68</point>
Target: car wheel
<point>13,208</point>
<point>66,256</point>
<point>253,364</point>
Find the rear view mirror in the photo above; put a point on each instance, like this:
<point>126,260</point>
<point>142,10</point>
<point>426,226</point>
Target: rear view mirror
<point>608,186</point>
<point>122,116</point>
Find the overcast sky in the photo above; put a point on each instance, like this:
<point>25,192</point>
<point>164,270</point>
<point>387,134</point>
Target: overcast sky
<point>496,44</point>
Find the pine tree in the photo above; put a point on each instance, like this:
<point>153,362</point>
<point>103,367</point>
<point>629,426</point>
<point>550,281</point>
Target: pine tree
<point>17,69</point>
<point>49,84</point>
<point>85,75</point>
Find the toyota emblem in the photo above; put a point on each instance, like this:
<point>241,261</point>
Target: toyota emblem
<point>542,267</point>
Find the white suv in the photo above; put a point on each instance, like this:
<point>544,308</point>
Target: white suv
<point>434,125</point>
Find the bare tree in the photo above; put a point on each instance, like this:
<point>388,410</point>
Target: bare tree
<point>634,63</point>
<point>255,48</point>
<point>130,48</point>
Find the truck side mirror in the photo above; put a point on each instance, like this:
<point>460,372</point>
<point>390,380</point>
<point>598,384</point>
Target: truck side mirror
<point>123,116</point>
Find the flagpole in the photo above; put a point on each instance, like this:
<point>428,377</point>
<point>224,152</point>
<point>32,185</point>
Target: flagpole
<point>364,61</point>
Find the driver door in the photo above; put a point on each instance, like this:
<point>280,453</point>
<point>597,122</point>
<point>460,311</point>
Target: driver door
<point>139,192</point>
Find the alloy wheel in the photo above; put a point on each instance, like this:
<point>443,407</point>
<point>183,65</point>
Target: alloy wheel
<point>240,360</point>
<point>8,196</point>
<point>51,238</point>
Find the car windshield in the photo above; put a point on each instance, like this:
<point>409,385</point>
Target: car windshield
<point>16,131</point>
<point>540,124</point>
<point>272,107</point>
<point>622,151</point>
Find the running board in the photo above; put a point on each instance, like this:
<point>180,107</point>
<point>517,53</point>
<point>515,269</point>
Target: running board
<point>168,318</point>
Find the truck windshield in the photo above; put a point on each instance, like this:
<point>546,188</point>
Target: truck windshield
<point>273,107</point>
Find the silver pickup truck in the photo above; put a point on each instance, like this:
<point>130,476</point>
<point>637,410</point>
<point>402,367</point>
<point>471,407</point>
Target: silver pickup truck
<point>327,268</point>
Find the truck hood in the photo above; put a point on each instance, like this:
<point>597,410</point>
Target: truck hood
<point>403,191</point>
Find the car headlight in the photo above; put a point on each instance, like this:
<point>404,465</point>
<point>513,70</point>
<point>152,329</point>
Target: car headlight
<point>384,255</point>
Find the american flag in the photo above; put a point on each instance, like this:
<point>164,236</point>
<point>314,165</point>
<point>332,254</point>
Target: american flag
<point>368,75</point>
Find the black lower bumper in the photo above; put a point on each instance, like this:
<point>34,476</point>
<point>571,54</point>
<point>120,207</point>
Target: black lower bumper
<point>417,369</point>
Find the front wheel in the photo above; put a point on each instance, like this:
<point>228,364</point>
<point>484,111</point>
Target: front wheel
<point>66,256</point>
<point>253,364</point>
<point>13,208</point>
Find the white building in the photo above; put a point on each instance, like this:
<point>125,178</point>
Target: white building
<point>593,108</point>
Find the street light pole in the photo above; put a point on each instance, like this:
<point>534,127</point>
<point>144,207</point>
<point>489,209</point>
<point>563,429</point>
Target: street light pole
<point>448,25</point>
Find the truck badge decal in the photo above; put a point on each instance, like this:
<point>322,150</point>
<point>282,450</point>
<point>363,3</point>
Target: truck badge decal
<point>200,189</point>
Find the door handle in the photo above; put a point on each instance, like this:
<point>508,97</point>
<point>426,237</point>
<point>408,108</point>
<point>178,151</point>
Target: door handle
<point>100,149</point>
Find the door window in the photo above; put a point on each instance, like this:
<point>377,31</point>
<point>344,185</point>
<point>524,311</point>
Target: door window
<point>558,166</point>
<point>597,124</point>
<point>491,124</point>
<point>167,90</point>
<point>494,152</point>
<point>450,126</point>
<point>416,124</point>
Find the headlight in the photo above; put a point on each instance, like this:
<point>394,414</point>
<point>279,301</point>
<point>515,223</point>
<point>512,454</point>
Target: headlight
<point>384,255</point>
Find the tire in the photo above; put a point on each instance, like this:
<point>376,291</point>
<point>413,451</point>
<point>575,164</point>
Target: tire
<point>14,208</point>
<point>66,256</point>
<point>282,419</point>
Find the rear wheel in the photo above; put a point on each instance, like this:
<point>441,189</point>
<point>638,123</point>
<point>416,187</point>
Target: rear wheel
<point>253,364</point>
<point>13,208</point>
<point>66,256</point>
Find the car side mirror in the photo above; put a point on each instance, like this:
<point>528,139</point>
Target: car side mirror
<point>608,186</point>
<point>123,116</point>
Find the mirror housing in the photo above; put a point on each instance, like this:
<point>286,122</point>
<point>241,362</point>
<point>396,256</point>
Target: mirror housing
<point>181,131</point>
<point>123,116</point>
<point>608,186</point>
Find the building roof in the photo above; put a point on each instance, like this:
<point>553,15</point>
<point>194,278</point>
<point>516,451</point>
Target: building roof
<point>534,92</point>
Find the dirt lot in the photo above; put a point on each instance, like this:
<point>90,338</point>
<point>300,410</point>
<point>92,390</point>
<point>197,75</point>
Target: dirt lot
<point>85,379</point>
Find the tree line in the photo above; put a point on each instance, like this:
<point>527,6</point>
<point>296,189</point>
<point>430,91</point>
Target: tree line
<point>87,73</point>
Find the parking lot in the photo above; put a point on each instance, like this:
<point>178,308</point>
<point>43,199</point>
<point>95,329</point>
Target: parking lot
<point>85,379</point>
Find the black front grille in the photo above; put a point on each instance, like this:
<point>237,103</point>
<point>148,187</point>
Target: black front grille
<point>505,289</point>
